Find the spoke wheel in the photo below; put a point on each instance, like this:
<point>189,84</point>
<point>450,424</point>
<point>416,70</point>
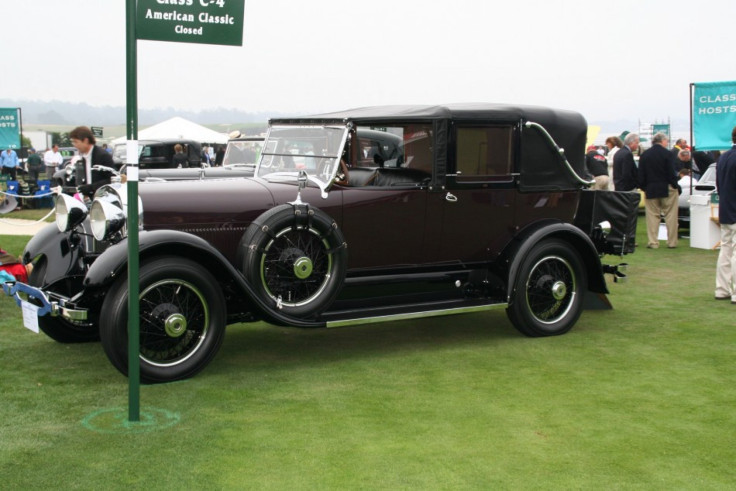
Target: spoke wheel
<point>295,258</point>
<point>547,294</point>
<point>174,322</point>
<point>295,266</point>
<point>550,289</point>
<point>182,320</point>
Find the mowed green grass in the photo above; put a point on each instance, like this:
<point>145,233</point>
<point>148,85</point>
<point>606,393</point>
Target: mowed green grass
<point>639,397</point>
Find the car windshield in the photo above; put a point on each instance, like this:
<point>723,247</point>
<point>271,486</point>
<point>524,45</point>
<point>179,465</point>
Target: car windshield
<point>120,151</point>
<point>242,152</point>
<point>289,150</point>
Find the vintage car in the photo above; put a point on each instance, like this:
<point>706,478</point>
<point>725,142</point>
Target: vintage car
<point>361,216</point>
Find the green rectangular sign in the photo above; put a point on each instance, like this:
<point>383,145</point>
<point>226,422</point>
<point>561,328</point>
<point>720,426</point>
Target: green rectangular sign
<point>661,128</point>
<point>9,128</point>
<point>191,21</point>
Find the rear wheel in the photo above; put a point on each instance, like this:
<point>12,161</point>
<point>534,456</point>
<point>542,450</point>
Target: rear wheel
<point>548,291</point>
<point>182,320</point>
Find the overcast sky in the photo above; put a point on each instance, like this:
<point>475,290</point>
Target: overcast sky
<point>610,60</point>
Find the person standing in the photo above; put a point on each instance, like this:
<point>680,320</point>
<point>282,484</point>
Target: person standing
<point>35,164</point>
<point>598,167</point>
<point>680,145</point>
<point>658,180</point>
<point>624,167</point>
<point>52,159</point>
<point>726,186</point>
<point>219,155</point>
<point>180,159</point>
<point>614,144</point>
<point>90,155</point>
<point>10,163</point>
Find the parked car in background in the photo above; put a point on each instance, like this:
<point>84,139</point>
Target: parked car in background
<point>239,161</point>
<point>361,216</point>
<point>159,154</point>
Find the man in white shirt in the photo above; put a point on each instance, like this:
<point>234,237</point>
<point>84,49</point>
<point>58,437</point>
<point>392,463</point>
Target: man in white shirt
<point>52,159</point>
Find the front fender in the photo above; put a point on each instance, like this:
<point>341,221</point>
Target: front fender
<point>573,235</point>
<point>62,257</point>
<point>113,263</point>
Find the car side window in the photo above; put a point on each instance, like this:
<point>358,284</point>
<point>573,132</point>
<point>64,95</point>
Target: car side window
<point>483,153</point>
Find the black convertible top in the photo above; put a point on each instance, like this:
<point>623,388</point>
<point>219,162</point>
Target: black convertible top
<point>568,129</point>
<point>481,111</point>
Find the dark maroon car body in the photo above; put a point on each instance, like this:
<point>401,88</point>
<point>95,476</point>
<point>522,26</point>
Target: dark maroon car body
<point>360,216</point>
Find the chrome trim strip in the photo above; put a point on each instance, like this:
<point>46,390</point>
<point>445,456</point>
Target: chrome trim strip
<point>414,315</point>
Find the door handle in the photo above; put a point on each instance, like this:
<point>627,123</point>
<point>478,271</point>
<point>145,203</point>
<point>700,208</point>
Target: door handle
<point>451,197</point>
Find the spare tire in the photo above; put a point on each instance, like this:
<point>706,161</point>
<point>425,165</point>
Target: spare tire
<point>295,257</point>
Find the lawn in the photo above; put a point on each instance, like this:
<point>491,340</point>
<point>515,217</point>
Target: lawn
<point>639,397</point>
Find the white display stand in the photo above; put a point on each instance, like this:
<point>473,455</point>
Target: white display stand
<point>704,232</point>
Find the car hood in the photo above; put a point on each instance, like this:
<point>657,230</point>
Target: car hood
<point>203,203</point>
<point>215,203</point>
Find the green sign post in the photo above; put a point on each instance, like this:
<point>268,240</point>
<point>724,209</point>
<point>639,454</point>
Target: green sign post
<point>185,21</point>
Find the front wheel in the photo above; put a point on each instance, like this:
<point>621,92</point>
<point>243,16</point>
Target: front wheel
<point>58,328</point>
<point>182,320</point>
<point>548,291</point>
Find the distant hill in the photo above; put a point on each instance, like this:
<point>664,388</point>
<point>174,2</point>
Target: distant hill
<point>74,114</point>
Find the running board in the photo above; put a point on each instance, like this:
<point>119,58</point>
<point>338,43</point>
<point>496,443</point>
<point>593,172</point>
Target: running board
<point>414,315</point>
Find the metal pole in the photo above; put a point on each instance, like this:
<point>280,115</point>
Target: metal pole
<point>20,134</point>
<point>133,287</point>
<point>692,143</point>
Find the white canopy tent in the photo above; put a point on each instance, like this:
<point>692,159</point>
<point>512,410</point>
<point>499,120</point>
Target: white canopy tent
<point>181,128</point>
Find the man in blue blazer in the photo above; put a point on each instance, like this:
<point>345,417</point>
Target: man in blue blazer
<point>726,185</point>
<point>658,180</point>
<point>624,167</point>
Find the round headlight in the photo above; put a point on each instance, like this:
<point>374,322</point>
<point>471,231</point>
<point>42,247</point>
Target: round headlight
<point>70,212</point>
<point>105,219</point>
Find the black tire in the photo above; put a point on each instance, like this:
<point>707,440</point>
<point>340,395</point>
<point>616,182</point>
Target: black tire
<point>548,290</point>
<point>182,320</point>
<point>58,328</point>
<point>295,258</point>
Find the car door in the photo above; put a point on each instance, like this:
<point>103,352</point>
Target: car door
<point>385,218</point>
<point>477,205</point>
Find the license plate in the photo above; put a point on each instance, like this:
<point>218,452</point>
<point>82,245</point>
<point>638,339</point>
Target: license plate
<point>30,315</point>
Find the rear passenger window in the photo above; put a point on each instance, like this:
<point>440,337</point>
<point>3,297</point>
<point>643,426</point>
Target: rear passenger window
<point>483,153</point>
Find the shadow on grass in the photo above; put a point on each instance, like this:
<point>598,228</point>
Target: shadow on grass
<point>261,346</point>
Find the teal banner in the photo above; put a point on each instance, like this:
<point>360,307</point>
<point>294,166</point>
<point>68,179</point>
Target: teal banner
<point>9,128</point>
<point>661,128</point>
<point>714,114</point>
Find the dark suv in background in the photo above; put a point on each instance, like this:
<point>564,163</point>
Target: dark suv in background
<point>159,154</point>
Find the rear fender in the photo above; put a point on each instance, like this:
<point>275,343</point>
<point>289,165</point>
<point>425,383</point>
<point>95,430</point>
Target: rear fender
<point>528,238</point>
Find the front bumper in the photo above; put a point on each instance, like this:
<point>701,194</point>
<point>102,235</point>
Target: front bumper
<point>52,304</point>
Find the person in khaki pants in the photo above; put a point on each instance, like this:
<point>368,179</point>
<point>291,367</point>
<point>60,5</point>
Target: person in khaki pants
<point>658,180</point>
<point>726,186</point>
